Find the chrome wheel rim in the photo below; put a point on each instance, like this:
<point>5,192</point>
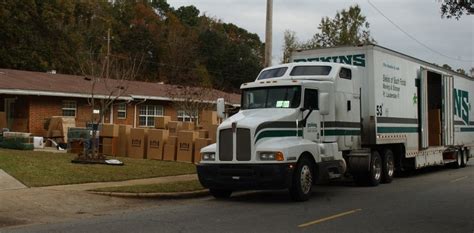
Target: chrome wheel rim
<point>377,168</point>
<point>390,166</point>
<point>306,179</point>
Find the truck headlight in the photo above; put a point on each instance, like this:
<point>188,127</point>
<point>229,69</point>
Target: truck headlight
<point>271,156</point>
<point>208,156</point>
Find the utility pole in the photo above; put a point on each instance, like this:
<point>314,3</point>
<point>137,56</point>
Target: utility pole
<point>268,34</point>
<point>108,54</point>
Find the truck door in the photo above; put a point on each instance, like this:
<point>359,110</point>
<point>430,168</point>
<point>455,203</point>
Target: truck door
<point>423,108</point>
<point>313,120</point>
<point>448,111</point>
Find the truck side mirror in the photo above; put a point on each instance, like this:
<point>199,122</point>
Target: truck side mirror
<point>324,103</point>
<point>220,108</point>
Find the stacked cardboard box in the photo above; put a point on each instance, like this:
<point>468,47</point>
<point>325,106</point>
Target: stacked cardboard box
<point>187,126</point>
<point>156,141</point>
<point>199,143</point>
<point>174,127</point>
<point>123,139</point>
<point>58,127</point>
<point>209,118</point>
<point>137,143</point>
<point>109,139</point>
<point>161,122</point>
<point>185,145</point>
<point>169,151</point>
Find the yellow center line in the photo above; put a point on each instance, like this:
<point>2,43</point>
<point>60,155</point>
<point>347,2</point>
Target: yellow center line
<point>329,218</point>
<point>459,179</point>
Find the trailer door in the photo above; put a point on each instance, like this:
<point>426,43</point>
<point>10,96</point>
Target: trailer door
<point>448,111</point>
<point>423,116</point>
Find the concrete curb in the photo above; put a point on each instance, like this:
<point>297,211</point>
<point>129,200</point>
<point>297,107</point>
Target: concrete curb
<point>178,195</point>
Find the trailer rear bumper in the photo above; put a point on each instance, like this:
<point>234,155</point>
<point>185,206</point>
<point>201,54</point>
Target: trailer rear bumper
<point>245,177</point>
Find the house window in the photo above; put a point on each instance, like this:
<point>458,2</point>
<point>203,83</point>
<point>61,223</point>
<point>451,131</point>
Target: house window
<point>69,108</point>
<point>148,113</point>
<point>182,116</point>
<point>122,111</point>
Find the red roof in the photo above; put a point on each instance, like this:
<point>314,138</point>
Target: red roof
<point>58,84</point>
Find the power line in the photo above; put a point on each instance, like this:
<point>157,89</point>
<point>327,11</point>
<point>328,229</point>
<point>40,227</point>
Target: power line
<point>413,38</point>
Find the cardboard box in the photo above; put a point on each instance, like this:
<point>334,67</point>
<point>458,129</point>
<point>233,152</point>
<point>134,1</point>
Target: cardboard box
<point>185,145</point>
<point>109,146</point>
<point>203,133</point>
<point>161,122</point>
<point>137,143</point>
<point>123,139</point>
<point>56,133</point>
<point>169,150</point>
<point>3,120</point>
<point>109,130</point>
<point>212,129</point>
<point>156,141</point>
<point>209,118</point>
<point>174,127</point>
<point>199,143</point>
<point>187,126</point>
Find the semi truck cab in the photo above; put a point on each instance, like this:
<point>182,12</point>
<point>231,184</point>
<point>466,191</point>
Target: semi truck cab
<point>295,122</point>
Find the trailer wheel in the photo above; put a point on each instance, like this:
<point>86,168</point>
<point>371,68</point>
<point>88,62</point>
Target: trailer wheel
<point>464,155</point>
<point>220,193</point>
<point>302,182</point>
<point>458,162</point>
<point>388,166</point>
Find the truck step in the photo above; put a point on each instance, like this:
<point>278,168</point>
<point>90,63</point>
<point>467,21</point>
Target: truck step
<point>360,153</point>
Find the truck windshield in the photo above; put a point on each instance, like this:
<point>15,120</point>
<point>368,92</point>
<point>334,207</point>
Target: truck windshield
<point>271,97</point>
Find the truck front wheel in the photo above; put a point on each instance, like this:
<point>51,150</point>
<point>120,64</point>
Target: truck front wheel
<point>302,182</point>
<point>220,193</point>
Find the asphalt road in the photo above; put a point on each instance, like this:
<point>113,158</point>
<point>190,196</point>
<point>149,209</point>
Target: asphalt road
<point>431,200</point>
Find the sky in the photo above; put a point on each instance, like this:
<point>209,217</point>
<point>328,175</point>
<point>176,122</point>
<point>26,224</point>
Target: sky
<point>450,41</point>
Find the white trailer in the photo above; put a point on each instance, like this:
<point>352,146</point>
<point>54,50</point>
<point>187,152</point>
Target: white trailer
<point>364,110</point>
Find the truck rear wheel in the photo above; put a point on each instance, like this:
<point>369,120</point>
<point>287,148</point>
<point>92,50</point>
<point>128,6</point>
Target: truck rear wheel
<point>464,154</point>
<point>388,166</point>
<point>220,193</point>
<point>302,182</point>
<point>374,175</point>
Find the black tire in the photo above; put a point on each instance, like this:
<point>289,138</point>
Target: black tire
<point>388,166</point>
<point>375,173</point>
<point>302,180</point>
<point>220,193</point>
<point>465,154</point>
<point>458,162</point>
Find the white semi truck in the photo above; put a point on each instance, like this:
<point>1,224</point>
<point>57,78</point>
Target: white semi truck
<point>367,111</point>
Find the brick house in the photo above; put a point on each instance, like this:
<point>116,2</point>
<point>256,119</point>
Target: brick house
<point>28,98</point>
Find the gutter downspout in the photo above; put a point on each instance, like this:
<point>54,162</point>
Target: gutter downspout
<point>111,114</point>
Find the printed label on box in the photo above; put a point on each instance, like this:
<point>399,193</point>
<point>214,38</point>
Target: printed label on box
<point>184,146</point>
<point>136,142</point>
<point>155,144</point>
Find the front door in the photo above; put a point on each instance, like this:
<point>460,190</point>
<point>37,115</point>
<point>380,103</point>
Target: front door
<point>9,111</point>
<point>312,116</point>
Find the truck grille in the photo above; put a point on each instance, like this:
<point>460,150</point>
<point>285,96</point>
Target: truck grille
<point>243,144</point>
<point>225,145</point>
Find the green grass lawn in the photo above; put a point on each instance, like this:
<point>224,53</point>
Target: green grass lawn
<point>36,169</point>
<point>179,186</point>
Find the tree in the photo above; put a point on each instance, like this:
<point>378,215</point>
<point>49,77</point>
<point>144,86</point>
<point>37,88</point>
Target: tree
<point>109,77</point>
<point>456,9</point>
<point>461,71</point>
<point>290,45</point>
<point>349,27</point>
